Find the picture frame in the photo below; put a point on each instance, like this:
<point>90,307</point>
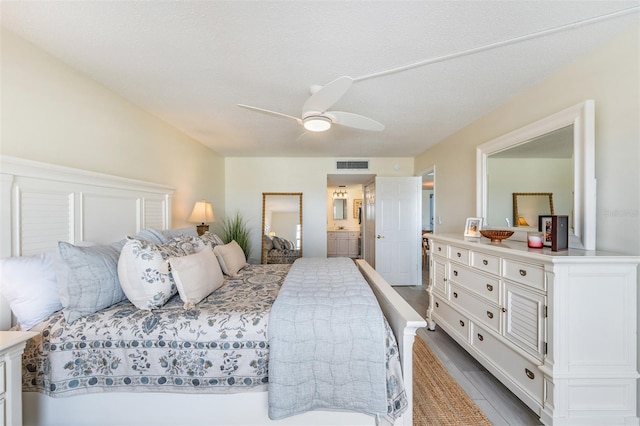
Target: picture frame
<point>545,225</point>
<point>357,203</point>
<point>472,227</point>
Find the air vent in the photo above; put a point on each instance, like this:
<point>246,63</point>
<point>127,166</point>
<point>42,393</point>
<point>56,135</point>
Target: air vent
<point>352,165</point>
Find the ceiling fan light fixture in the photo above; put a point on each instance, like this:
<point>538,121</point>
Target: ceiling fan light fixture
<point>316,123</point>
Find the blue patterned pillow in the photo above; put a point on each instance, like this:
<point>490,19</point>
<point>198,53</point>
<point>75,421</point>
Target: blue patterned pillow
<point>210,239</point>
<point>87,278</point>
<point>144,271</point>
<point>278,243</point>
<point>152,235</point>
<point>172,233</point>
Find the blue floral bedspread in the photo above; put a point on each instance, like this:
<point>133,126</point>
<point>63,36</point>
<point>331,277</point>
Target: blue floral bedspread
<point>219,346</point>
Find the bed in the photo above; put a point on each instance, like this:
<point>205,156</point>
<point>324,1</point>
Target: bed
<point>188,395</point>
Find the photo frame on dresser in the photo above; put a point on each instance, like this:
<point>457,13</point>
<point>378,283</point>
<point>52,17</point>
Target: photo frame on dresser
<point>472,227</point>
<point>555,231</point>
<point>545,225</point>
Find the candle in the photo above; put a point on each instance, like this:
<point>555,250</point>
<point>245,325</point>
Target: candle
<point>534,241</point>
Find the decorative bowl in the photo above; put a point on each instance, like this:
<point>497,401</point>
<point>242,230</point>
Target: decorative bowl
<point>495,235</point>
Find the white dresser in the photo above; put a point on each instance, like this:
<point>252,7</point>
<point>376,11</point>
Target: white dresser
<point>343,243</point>
<point>557,328</point>
<point>11,346</point>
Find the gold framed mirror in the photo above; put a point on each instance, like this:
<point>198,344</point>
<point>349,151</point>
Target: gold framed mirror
<point>527,206</point>
<point>281,227</point>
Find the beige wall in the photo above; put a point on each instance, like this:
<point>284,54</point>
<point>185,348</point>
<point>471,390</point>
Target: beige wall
<point>52,113</point>
<point>611,76</point>
<point>247,178</point>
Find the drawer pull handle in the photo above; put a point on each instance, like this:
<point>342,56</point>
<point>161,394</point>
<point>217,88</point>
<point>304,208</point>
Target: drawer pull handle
<point>455,273</point>
<point>480,337</point>
<point>459,255</point>
<point>523,272</point>
<point>489,287</point>
<point>504,309</point>
<point>485,262</point>
<point>437,305</point>
<point>461,323</point>
<point>490,315</point>
<point>529,373</point>
<point>439,248</point>
<point>455,294</point>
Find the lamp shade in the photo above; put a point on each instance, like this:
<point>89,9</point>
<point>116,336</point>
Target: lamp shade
<point>202,212</point>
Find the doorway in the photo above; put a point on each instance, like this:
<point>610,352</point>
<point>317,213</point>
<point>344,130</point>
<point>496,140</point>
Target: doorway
<point>345,227</point>
<point>389,223</point>
<point>429,221</point>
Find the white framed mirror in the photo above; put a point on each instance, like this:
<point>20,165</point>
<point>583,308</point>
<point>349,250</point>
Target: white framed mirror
<point>580,121</point>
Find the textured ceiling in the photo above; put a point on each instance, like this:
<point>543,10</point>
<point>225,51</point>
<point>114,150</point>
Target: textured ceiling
<point>191,62</point>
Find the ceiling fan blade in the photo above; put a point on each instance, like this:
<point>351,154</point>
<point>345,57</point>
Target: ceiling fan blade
<point>356,121</point>
<point>327,95</point>
<point>269,112</point>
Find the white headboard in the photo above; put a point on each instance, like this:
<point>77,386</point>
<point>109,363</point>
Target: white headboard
<point>41,204</point>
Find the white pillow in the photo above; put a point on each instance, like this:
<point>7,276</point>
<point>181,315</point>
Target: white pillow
<point>196,276</point>
<point>144,271</point>
<point>30,286</point>
<point>231,258</point>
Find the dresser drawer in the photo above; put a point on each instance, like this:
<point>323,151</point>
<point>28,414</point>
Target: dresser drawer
<point>524,273</point>
<point>481,284</point>
<point>454,319</point>
<point>459,254</point>
<point>438,249</point>
<point>486,262</point>
<point>512,364</point>
<point>486,313</point>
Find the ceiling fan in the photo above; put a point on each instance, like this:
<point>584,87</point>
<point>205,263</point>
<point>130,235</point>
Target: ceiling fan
<point>315,116</point>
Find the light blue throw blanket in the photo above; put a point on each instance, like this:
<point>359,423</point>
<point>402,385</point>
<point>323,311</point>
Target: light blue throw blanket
<point>326,342</point>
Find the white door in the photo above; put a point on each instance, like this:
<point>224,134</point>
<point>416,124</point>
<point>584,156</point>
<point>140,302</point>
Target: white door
<point>397,229</point>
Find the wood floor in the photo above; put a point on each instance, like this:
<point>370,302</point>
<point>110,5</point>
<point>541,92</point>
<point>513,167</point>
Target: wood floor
<point>499,405</point>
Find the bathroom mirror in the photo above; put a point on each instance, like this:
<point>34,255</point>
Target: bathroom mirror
<point>339,208</point>
<point>533,145</point>
<point>282,218</point>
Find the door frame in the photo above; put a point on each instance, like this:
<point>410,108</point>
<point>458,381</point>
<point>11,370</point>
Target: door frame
<point>431,169</point>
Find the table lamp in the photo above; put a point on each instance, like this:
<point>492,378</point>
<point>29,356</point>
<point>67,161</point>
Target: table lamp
<point>202,213</point>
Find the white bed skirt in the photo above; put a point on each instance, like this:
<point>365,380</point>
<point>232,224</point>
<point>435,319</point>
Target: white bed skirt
<point>157,409</point>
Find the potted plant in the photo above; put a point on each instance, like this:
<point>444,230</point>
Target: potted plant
<point>236,228</point>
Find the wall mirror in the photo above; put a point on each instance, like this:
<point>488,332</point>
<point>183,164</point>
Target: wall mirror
<point>282,218</point>
<point>339,208</point>
<point>527,206</point>
<point>521,161</point>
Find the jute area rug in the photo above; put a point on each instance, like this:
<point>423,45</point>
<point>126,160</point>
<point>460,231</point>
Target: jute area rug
<point>437,398</point>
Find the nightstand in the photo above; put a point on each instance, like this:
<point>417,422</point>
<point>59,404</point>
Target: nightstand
<point>12,344</point>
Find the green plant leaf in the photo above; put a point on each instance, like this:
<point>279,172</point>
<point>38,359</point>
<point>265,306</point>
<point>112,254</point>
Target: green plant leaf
<point>236,228</point>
